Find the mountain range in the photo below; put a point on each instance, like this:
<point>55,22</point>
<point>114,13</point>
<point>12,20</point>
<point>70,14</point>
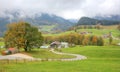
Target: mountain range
<point>50,23</point>
<point>40,20</point>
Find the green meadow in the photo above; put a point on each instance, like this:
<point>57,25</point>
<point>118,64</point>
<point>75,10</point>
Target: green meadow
<point>100,59</point>
<point>46,54</point>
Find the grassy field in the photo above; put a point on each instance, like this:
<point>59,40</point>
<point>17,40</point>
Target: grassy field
<point>98,32</point>
<point>45,54</point>
<point>100,59</point>
<point>1,43</point>
<point>47,28</point>
<point>102,52</point>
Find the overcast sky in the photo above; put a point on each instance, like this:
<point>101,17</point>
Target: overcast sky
<point>65,8</point>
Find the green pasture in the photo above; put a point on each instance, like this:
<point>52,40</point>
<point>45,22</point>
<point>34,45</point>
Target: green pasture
<point>46,54</point>
<point>100,59</point>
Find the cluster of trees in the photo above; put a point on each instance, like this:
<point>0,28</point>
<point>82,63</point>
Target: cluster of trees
<point>97,26</point>
<point>22,35</point>
<point>75,38</point>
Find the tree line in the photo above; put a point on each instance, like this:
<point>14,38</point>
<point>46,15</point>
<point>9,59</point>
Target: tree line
<point>75,38</point>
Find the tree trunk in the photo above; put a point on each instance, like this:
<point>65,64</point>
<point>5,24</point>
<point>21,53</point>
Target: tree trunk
<point>26,49</point>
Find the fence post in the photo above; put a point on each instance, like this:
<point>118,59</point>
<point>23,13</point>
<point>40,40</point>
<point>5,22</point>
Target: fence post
<point>7,61</point>
<point>16,60</point>
<point>24,60</point>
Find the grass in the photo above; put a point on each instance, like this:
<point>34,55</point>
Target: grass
<point>96,32</point>
<point>45,54</point>
<point>1,43</point>
<point>105,52</point>
<point>100,32</point>
<point>105,30</point>
<point>47,28</point>
<point>100,59</point>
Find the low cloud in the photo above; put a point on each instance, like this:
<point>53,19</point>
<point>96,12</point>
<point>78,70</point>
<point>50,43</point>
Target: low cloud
<point>64,8</point>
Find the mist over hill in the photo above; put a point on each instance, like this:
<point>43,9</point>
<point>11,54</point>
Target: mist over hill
<point>36,19</point>
<point>113,20</point>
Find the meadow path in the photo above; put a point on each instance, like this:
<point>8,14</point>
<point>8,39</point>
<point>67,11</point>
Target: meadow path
<point>23,56</point>
<point>77,56</point>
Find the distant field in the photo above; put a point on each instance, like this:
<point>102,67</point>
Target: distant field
<point>47,28</point>
<point>99,32</point>
<point>114,32</point>
<point>110,27</point>
<point>100,59</point>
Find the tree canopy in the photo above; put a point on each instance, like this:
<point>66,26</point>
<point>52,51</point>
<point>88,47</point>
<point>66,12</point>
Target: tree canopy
<point>22,35</point>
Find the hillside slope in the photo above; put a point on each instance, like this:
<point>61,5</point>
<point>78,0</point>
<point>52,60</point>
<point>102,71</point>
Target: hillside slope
<point>92,21</point>
<point>36,19</point>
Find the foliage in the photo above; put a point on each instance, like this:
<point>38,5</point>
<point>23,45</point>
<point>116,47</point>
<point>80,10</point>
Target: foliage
<point>75,38</point>
<point>22,35</point>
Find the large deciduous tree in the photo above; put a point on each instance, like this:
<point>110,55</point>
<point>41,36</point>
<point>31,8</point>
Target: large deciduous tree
<point>22,35</point>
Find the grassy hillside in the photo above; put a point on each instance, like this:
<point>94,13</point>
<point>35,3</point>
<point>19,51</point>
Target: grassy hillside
<point>97,32</point>
<point>105,30</point>
<point>100,59</point>
<point>101,31</point>
<point>47,28</point>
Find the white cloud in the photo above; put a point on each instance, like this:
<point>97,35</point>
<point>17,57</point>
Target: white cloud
<point>65,8</point>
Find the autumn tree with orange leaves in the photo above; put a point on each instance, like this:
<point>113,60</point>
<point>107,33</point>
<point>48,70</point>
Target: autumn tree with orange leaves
<point>22,35</point>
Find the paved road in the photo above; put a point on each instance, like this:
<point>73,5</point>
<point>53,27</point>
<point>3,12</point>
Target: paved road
<point>23,56</point>
<point>78,57</point>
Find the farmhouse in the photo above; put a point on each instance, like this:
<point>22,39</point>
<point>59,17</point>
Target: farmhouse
<point>55,44</point>
<point>58,44</point>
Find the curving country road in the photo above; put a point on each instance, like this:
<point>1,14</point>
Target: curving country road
<point>23,56</point>
<point>77,56</point>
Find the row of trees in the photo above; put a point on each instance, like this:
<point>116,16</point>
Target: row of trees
<point>75,38</point>
<point>22,35</point>
<point>97,26</point>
